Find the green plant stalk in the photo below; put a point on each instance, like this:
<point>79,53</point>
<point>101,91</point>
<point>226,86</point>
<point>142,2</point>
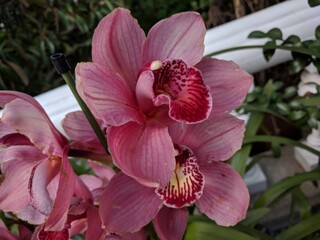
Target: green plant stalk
<point>292,49</point>
<point>93,122</point>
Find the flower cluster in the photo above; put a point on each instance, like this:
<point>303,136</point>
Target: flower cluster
<point>165,111</point>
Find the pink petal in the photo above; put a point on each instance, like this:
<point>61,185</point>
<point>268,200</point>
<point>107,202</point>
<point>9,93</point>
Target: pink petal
<point>170,223</point>
<point>107,95</point>
<point>8,96</point>
<point>102,171</point>
<point>127,206</point>
<point>29,121</point>
<point>5,233</point>
<point>78,128</point>
<point>225,197</point>
<point>58,215</point>
<point>21,152</point>
<point>117,44</point>
<point>215,139</point>
<point>94,229</point>
<point>179,37</point>
<point>31,215</point>
<point>41,175</point>
<point>92,182</point>
<point>14,195</point>
<point>228,83</point>
<point>144,152</point>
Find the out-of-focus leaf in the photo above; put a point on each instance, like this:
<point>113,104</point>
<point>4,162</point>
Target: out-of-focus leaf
<point>293,40</point>
<point>253,216</point>
<point>275,34</point>
<point>317,32</point>
<point>257,34</point>
<point>205,231</point>
<point>300,200</point>
<point>312,101</point>
<point>269,49</point>
<point>290,92</point>
<point>279,189</point>
<point>298,64</point>
<point>20,72</point>
<point>302,229</point>
<point>276,150</point>
<point>313,3</point>
<point>283,108</point>
<point>298,116</point>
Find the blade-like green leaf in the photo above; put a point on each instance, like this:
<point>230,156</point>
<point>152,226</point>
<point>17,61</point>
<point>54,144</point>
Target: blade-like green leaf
<point>205,231</point>
<point>300,200</point>
<point>302,229</point>
<point>277,190</point>
<point>253,216</point>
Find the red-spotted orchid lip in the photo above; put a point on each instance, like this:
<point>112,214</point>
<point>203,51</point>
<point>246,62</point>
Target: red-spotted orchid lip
<point>181,87</point>
<point>187,182</point>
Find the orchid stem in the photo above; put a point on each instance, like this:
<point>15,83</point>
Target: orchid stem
<point>63,68</point>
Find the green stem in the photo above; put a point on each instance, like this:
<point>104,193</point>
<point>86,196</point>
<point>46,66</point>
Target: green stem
<point>93,122</point>
<point>266,47</point>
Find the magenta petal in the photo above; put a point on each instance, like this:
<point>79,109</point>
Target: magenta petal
<point>104,172</point>
<point>58,216</point>
<point>30,122</point>
<point>179,37</point>
<point>127,206</point>
<point>94,229</point>
<point>144,152</point>
<point>225,197</point>
<point>170,223</point>
<point>228,83</point>
<point>21,152</point>
<point>107,95</point>
<point>215,139</point>
<point>117,44</point>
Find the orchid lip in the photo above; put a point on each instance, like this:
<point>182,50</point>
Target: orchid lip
<point>187,182</point>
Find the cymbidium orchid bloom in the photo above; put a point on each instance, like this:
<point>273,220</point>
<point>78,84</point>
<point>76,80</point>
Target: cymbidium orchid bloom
<point>139,85</point>
<point>37,180</point>
<point>200,177</point>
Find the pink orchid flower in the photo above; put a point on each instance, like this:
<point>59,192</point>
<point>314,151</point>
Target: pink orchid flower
<point>138,85</point>
<point>37,178</point>
<point>199,178</point>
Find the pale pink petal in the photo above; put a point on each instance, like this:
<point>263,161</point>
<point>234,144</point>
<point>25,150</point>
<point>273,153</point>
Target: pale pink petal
<point>180,36</point>
<point>225,197</point>
<point>21,152</point>
<point>58,216</point>
<point>144,91</point>
<point>107,94</point>
<point>102,171</point>
<point>171,223</point>
<point>14,195</point>
<point>7,96</point>
<point>31,215</point>
<point>29,121</point>
<point>228,83</point>
<point>78,128</point>
<point>215,139</point>
<point>92,182</point>
<point>81,190</point>
<point>41,175</point>
<point>117,44</point>
<point>5,129</point>
<point>127,206</point>
<point>144,152</point>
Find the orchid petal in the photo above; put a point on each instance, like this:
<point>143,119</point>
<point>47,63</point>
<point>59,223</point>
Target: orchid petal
<point>225,197</point>
<point>180,36</point>
<point>41,175</point>
<point>170,223</point>
<point>92,182</point>
<point>102,171</point>
<point>216,139</point>
<point>144,152</point>
<point>16,176</point>
<point>78,128</point>
<point>228,83</point>
<point>8,96</point>
<point>58,215</point>
<point>127,206</point>
<point>94,229</point>
<point>30,122</point>
<point>31,215</point>
<point>107,95</point>
<point>117,44</point>
<point>5,233</point>
<point>20,152</point>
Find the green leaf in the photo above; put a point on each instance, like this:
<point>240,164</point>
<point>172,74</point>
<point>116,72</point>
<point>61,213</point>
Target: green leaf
<point>300,200</point>
<point>312,101</point>
<point>279,189</point>
<point>293,40</point>
<point>302,229</point>
<point>313,3</point>
<point>290,92</point>
<point>283,108</point>
<point>269,49</point>
<point>205,231</point>
<point>257,34</point>
<point>317,33</point>
<point>298,64</point>
<point>253,216</point>
<point>275,34</point>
